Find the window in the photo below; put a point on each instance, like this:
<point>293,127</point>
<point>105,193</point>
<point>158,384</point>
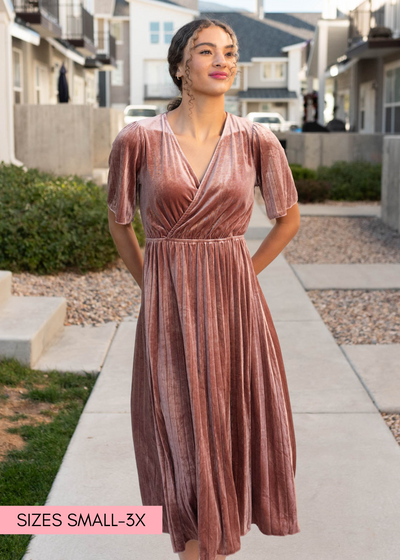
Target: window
<point>17,68</point>
<point>79,90</point>
<point>236,81</point>
<point>41,84</point>
<point>117,75</point>
<point>267,70</point>
<point>168,31</point>
<point>392,100</point>
<point>273,70</point>
<point>279,70</point>
<point>154,32</point>
<point>116,31</point>
<point>90,89</point>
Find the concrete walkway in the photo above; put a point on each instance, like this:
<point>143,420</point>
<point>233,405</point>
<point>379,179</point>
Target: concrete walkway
<point>348,473</point>
<point>348,276</point>
<point>333,210</point>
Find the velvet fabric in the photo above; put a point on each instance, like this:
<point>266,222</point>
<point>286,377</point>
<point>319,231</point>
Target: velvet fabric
<point>211,417</point>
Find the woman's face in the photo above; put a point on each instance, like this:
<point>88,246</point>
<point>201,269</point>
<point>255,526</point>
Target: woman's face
<point>218,55</point>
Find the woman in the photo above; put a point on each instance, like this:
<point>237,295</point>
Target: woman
<point>211,418</point>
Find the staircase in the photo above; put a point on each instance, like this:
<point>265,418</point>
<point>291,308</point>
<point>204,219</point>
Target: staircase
<point>32,331</point>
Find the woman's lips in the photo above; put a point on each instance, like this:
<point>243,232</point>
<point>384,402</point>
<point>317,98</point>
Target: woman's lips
<point>218,76</point>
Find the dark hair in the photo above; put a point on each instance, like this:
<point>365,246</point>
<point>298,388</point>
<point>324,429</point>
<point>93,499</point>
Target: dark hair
<point>189,33</point>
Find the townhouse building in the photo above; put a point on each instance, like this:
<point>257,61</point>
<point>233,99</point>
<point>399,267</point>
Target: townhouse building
<point>49,34</point>
<point>356,59</point>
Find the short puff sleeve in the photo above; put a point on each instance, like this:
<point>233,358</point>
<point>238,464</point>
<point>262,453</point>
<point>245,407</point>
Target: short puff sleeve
<point>124,165</point>
<point>274,176</point>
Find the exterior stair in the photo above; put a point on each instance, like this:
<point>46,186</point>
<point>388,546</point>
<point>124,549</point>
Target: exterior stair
<point>32,331</point>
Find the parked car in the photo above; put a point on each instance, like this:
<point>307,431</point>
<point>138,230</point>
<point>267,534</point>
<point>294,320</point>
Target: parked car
<point>274,121</point>
<point>138,112</point>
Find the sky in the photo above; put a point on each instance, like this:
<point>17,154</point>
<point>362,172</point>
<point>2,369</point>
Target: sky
<point>276,5</point>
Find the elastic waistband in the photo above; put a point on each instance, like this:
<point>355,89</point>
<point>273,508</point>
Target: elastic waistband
<point>196,240</point>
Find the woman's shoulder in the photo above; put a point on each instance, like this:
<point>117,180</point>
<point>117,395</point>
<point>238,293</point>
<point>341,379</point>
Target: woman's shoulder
<point>134,131</point>
<point>253,129</point>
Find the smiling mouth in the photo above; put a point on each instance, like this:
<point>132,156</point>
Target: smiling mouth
<point>218,75</point>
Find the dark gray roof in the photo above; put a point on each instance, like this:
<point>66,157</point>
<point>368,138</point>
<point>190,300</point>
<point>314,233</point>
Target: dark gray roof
<point>302,20</point>
<point>256,38</point>
<point>121,8</point>
<point>281,93</point>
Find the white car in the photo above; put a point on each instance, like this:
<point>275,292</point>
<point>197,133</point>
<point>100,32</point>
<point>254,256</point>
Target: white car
<point>134,113</point>
<point>274,121</point>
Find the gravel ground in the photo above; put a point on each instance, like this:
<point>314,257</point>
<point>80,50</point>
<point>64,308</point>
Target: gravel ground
<point>92,298</point>
<point>347,240</point>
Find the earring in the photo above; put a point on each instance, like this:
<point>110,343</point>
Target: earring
<point>177,77</point>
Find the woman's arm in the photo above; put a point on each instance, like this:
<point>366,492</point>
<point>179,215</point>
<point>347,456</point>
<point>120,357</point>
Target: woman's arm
<point>283,231</point>
<point>127,246</point>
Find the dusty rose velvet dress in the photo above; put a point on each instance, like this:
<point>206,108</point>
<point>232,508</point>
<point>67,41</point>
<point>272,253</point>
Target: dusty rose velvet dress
<point>212,423</point>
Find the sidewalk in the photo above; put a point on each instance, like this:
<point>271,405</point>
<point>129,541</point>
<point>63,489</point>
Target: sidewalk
<point>348,462</point>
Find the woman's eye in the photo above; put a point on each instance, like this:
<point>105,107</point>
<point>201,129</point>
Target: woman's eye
<point>207,51</point>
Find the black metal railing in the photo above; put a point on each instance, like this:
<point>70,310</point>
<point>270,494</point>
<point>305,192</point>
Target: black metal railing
<point>79,23</point>
<point>363,19</point>
<point>105,42</point>
<point>45,7</point>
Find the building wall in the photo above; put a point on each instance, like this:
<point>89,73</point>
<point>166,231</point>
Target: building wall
<point>141,49</point>
<point>120,94</point>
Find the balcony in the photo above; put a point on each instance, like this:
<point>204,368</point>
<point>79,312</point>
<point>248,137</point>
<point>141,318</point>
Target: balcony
<point>160,91</point>
<point>79,27</point>
<point>106,50</point>
<point>362,20</point>
<point>42,16</point>
<point>368,37</point>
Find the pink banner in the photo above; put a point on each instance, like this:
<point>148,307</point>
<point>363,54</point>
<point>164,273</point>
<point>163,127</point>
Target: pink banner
<point>79,520</point>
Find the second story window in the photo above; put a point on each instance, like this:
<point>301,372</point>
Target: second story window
<point>168,31</point>
<point>154,32</point>
<point>116,31</point>
<point>279,70</point>
<point>273,71</point>
<point>267,70</point>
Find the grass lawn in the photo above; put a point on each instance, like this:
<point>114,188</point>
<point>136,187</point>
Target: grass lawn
<point>39,412</point>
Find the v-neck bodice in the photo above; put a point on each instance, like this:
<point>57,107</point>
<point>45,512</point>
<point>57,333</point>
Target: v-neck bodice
<point>148,165</point>
<point>190,167</point>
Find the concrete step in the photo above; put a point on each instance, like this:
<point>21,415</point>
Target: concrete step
<point>28,326</point>
<point>79,349</point>
<point>348,276</point>
<point>5,285</point>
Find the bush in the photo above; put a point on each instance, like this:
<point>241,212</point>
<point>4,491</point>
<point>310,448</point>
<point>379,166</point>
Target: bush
<point>300,172</point>
<point>52,223</point>
<point>354,180</point>
<point>312,190</point>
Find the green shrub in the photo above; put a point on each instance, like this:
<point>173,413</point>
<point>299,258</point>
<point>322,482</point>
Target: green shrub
<point>354,180</point>
<point>312,190</point>
<point>300,172</point>
<point>52,223</point>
